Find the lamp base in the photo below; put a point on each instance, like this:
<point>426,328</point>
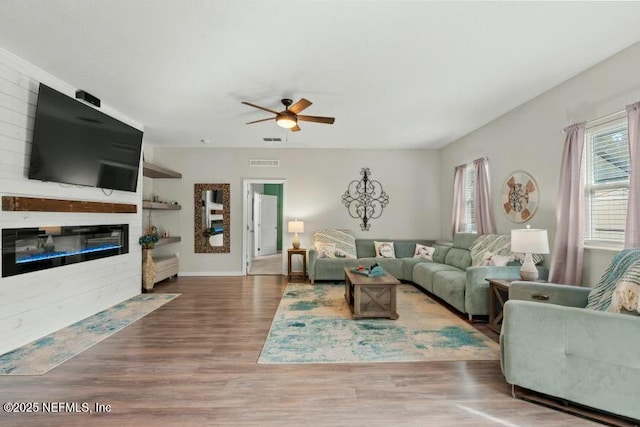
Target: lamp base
<point>296,241</point>
<point>296,245</point>
<point>528,271</point>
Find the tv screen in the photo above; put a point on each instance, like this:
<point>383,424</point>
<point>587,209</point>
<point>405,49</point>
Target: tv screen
<point>74,143</point>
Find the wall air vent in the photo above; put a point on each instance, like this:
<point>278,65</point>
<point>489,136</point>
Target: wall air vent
<point>264,163</point>
<point>272,139</point>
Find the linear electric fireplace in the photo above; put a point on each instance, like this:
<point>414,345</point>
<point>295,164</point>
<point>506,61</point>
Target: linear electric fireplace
<point>31,249</point>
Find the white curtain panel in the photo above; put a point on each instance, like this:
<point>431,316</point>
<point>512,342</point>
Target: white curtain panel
<point>457,217</point>
<point>485,222</point>
<point>632,229</point>
<point>568,246</point>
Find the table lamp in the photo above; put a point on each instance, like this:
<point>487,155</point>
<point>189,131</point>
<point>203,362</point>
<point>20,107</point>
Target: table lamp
<point>529,241</point>
<point>296,227</point>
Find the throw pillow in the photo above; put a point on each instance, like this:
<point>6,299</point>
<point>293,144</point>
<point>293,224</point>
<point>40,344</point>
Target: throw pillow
<point>325,250</point>
<point>495,260</point>
<point>424,252</point>
<point>500,260</point>
<point>385,249</point>
<point>624,267</point>
<point>626,295</point>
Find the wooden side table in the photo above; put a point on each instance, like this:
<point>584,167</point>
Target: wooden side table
<point>291,275</point>
<point>498,295</point>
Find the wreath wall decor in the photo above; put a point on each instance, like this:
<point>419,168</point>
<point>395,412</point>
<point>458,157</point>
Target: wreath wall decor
<point>365,199</point>
<point>520,197</point>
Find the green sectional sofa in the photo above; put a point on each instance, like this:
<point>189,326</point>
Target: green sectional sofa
<point>449,276</point>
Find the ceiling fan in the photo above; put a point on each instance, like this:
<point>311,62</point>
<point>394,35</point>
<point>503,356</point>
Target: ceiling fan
<point>289,117</point>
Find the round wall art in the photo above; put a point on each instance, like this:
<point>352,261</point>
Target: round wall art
<point>520,197</point>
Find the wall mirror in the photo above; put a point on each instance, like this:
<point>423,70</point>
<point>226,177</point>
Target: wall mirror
<point>211,218</point>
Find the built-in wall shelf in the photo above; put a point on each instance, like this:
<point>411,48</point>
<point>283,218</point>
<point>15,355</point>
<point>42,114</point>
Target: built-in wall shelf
<point>167,240</point>
<point>154,171</point>
<point>36,204</point>
<point>155,205</point>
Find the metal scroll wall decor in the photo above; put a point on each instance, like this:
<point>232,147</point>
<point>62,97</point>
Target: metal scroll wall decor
<point>365,199</point>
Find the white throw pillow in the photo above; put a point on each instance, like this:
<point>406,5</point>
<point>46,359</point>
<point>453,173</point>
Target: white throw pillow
<point>424,252</point>
<point>326,250</point>
<point>385,249</point>
<point>626,297</point>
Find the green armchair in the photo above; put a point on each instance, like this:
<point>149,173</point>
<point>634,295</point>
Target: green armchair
<point>551,344</point>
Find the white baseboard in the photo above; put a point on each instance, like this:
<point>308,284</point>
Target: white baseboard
<point>210,273</point>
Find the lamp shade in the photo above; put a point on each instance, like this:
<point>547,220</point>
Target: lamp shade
<point>295,226</point>
<point>529,241</point>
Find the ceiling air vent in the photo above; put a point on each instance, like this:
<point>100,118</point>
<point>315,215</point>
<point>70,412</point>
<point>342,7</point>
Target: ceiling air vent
<point>264,163</point>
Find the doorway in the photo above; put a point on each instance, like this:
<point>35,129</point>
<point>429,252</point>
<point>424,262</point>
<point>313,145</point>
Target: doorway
<point>263,230</point>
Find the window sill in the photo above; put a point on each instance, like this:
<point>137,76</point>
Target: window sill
<point>603,247</point>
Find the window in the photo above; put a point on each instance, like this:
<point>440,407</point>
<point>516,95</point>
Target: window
<point>607,181</point>
<point>469,225</point>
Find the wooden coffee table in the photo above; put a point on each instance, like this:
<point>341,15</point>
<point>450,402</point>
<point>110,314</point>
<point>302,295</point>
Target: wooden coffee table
<point>371,296</point>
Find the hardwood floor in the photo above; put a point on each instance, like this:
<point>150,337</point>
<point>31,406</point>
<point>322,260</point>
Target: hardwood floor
<point>192,362</point>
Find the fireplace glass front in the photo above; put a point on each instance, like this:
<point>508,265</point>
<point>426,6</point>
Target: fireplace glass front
<point>30,249</point>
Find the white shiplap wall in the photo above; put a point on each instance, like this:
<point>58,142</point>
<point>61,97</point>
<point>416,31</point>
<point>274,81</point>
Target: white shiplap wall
<point>35,304</point>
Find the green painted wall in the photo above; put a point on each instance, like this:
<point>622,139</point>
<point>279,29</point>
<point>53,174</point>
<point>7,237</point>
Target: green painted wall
<point>276,190</point>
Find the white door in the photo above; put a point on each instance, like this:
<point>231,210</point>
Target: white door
<point>268,224</point>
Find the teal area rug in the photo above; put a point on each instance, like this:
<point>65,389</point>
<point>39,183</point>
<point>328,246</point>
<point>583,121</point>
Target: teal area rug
<point>44,354</point>
<point>313,324</point>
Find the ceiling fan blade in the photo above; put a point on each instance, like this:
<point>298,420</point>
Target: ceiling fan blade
<point>261,120</point>
<point>296,128</point>
<point>317,119</point>
<point>259,107</point>
<point>299,106</point>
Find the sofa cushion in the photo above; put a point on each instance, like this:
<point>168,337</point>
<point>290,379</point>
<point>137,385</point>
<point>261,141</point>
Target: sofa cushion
<point>450,286</point>
<point>424,271</point>
<point>344,240</point>
<point>333,268</point>
<point>407,267</point>
<point>440,253</point>
<point>464,240</point>
<point>460,258</point>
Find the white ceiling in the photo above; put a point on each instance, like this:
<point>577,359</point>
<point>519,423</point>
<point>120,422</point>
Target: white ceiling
<point>394,74</point>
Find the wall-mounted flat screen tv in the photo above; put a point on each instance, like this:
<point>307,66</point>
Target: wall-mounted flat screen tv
<point>74,143</point>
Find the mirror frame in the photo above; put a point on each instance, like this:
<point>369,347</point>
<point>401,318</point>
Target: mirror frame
<point>206,248</point>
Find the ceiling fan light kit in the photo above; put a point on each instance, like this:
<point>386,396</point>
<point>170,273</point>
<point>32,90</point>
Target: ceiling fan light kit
<point>289,117</point>
<point>286,120</point>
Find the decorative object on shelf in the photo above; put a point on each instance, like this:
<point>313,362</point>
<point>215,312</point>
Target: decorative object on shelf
<point>296,227</point>
<point>529,241</point>
<point>212,218</point>
<point>365,199</point>
<point>149,240</point>
<point>520,197</point>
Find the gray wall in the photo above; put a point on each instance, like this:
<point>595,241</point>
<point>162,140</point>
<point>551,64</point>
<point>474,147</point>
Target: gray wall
<point>530,138</point>
<point>315,182</point>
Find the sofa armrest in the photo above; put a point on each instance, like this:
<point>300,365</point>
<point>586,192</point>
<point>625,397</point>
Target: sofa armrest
<point>312,257</point>
<point>549,293</point>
